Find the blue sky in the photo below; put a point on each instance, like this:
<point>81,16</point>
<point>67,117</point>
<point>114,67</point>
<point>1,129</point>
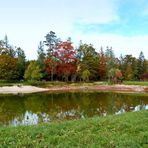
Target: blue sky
<point>121,24</point>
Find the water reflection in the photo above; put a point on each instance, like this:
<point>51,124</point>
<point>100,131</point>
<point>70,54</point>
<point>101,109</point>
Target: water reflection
<point>45,107</point>
<point>30,119</point>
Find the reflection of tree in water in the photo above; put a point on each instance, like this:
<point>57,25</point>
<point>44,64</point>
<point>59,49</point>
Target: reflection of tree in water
<point>60,106</point>
<point>11,106</point>
<point>37,103</point>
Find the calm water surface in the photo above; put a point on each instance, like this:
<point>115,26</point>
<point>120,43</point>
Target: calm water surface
<point>47,107</point>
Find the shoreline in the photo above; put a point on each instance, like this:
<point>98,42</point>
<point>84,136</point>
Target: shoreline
<point>26,89</point>
<point>104,88</point>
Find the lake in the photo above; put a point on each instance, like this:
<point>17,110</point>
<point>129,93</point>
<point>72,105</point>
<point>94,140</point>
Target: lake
<point>28,109</point>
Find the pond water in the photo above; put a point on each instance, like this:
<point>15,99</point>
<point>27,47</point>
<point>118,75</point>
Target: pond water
<point>47,107</point>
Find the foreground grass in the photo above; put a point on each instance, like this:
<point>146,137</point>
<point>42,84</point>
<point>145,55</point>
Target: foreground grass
<point>128,130</point>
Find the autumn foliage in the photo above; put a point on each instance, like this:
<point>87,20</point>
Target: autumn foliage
<point>8,68</point>
<point>59,60</point>
<point>62,61</point>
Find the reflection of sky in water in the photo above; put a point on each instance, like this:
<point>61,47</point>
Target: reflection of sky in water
<point>146,107</point>
<point>134,109</point>
<point>30,118</point>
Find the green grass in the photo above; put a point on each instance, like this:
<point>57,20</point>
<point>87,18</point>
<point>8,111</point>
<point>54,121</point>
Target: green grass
<point>128,130</point>
<point>142,83</point>
<point>59,83</point>
<point>8,83</point>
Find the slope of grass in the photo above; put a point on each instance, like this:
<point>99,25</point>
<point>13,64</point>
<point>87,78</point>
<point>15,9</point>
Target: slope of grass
<point>128,130</point>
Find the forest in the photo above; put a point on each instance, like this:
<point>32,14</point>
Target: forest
<point>59,60</point>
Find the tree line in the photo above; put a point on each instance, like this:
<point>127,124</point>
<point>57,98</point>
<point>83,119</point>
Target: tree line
<point>59,60</point>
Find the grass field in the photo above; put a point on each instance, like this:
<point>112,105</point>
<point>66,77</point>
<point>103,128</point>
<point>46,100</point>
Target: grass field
<point>128,130</point>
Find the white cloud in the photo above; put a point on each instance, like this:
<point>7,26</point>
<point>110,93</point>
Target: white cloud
<point>98,12</point>
<point>26,24</point>
<point>121,44</point>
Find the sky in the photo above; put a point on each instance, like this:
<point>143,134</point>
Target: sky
<point>120,24</point>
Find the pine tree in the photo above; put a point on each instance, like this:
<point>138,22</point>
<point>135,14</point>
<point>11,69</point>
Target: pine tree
<point>141,66</point>
<point>41,59</point>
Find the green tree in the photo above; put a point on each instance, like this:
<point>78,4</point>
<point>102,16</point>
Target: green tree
<point>21,62</point>
<point>141,66</point>
<point>111,61</point>
<point>41,59</point>
<point>85,75</point>
<point>6,42</point>
<point>33,71</point>
<point>129,67</point>
<point>87,59</point>
<point>6,48</point>
<point>51,43</point>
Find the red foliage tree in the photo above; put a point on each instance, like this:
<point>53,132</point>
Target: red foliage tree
<point>64,59</point>
<point>66,65</point>
<point>102,65</point>
<point>48,65</point>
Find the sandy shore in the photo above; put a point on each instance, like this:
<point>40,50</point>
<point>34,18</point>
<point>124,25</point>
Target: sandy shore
<point>114,88</point>
<point>20,89</point>
<point>33,89</point>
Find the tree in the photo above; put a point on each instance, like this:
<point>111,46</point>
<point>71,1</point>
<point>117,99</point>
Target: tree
<point>33,71</point>
<point>111,62</point>
<point>51,42</point>
<point>129,67</point>
<point>21,62</point>
<point>41,59</point>
<point>85,75</point>
<point>87,59</point>
<point>2,48</point>
<point>141,66</point>
<point>115,76</point>
<point>51,66</point>
<point>102,65</point>
<point>6,44</point>
<point>66,60</point>
<point>5,48</point>
<point>8,68</point>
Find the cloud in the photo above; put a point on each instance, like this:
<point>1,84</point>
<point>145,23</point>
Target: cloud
<point>100,22</point>
<point>97,12</point>
<point>121,44</point>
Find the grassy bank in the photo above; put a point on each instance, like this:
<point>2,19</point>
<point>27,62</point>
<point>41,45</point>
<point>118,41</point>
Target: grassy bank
<point>141,83</point>
<point>123,131</point>
<point>59,83</point>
